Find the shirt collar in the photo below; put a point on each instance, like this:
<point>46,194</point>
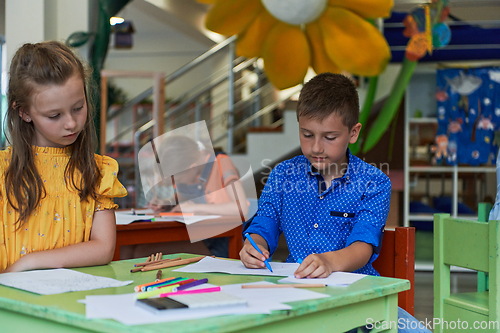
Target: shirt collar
<point>347,175</point>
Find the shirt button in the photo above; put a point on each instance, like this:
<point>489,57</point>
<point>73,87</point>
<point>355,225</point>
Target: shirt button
<point>315,225</point>
<point>345,215</point>
<point>321,197</point>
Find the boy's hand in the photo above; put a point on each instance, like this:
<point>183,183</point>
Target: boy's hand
<point>347,259</point>
<point>250,257</point>
<point>314,266</point>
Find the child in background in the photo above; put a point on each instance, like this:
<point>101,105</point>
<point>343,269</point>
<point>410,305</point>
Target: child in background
<point>56,199</point>
<point>330,205</point>
<point>207,185</point>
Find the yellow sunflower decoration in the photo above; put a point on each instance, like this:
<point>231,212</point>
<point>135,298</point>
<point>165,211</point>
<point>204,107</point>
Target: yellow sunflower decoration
<point>291,35</point>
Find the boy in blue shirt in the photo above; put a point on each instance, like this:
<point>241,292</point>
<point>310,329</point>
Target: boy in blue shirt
<point>330,205</point>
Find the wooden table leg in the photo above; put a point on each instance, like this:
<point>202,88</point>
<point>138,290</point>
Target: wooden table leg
<point>235,243</point>
<point>116,256</point>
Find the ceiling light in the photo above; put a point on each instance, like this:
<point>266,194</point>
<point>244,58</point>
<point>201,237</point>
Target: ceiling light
<point>116,20</point>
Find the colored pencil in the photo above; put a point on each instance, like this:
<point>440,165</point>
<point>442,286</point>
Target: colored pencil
<point>196,291</point>
<point>156,292</point>
<point>191,284</point>
<point>291,285</point>
<point>171,264</point>
<point>167,214</point>
<point>158,276</point>
<point>138,287</point>
<point>164,284</point>
<point>250,239</point>
<point>180,283</point>
<point>155,262</point>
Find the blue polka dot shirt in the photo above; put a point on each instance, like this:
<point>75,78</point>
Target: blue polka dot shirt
<point>316,219</point>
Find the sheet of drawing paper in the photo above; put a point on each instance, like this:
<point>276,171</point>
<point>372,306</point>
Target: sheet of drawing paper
<point>57,281</point>
<point>335,279</point>
<point>211,265</point>
<point>187,219</point>
<point>127,218</point>
<point>122,308</point>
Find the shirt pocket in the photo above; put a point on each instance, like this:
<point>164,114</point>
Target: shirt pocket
<point>343,220</point>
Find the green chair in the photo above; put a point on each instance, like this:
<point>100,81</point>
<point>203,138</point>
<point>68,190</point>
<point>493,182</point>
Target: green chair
<point>468,244</point>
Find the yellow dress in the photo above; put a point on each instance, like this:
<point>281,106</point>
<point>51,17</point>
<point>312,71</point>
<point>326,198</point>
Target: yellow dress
<point>61,219</point>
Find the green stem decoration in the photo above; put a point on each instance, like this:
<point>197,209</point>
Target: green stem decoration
<point>393,136</point>
<point>365,112</point>
<point>391,106</point>
<point>99,50</point>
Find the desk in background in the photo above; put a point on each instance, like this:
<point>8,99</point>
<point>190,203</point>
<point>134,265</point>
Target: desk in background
<point>346,308</point>
<point>155,232</point>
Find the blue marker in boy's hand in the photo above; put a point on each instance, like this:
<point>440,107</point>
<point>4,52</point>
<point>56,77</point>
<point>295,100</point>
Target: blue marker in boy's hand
<point>247,236</point>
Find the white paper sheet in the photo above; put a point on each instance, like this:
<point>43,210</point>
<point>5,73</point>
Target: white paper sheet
<point>127,218</point>
<point>187,219</point>
<point>211,265</point>
<point>57,281</point>
<point>146,211</point>
<point>123,309</point>
<point>335,279</point>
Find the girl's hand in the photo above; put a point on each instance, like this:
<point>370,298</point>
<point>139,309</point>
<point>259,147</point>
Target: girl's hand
<point>159,205</point>
<point>314,266</point>
<point>251,258</point>
<point>22,264</point>
<point>187,207</point>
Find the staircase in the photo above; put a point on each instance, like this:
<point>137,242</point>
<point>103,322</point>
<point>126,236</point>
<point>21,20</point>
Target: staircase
<point>237,102</point>
<point>265,148</point>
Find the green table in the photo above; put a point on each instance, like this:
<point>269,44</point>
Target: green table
<point>349,307</point>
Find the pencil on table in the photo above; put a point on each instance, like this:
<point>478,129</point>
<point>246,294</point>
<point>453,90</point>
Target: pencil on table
<point>182,282</point>
<point>156,262</point>
<point>139,287</point>
<point>171,264</point>
<point>158,275</point>
<point>291,285</point>
<point>139,266</point>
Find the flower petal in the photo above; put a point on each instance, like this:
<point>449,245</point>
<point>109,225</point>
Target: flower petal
<point>231,17</point>
<point>352,43</point>
<point>286,55</point>
<point>250,43</point>
<point>321,63</point>
<point>365,8</point>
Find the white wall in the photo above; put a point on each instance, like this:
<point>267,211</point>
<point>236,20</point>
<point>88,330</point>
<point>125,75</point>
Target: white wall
<point>157,47</point>
<point>32,21</point>
<point>22,25</point>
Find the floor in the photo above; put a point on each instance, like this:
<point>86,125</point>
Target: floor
<point>424,293</point>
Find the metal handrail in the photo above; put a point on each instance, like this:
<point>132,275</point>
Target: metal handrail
<point>238,68</point>
<point>179,107</point>
<point>173,76</point>
<point>269,108</point>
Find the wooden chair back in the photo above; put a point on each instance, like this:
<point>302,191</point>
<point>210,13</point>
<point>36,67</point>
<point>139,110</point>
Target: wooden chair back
<point>469,244</point>
<point>397,260</point>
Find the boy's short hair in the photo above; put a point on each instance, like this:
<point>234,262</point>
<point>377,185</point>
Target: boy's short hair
<point>328,93</point>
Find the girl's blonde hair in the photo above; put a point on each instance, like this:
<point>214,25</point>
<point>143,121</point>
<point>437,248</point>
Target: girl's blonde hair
<point>35,65</point>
